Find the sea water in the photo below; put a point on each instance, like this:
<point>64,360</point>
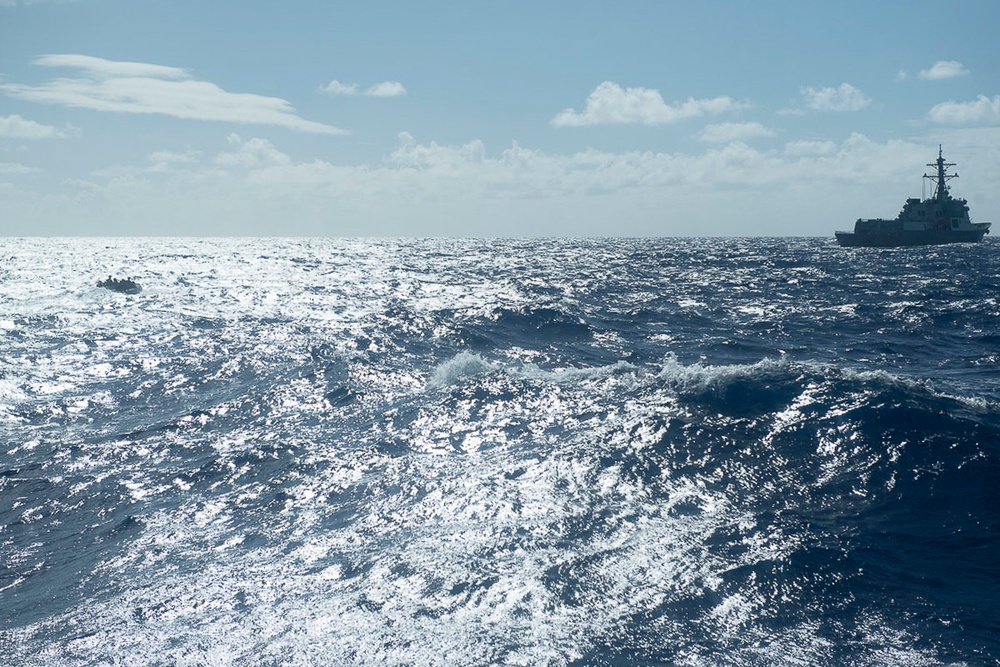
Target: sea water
<point>499,452</point>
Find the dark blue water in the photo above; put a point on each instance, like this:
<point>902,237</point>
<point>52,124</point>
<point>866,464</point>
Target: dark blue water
<point>472,452</point>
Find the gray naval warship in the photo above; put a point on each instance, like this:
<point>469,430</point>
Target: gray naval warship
<point>941,219</point>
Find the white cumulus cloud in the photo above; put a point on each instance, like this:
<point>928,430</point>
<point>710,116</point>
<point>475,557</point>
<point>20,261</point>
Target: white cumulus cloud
<point>337,88</point>
<point>944,69</point>
<point>609,103</point>
<point>842,98</point>
<point>723,133</point>
<point>386,89</point>
<point>16,127</point>
<point>127,87</point>
<point>981,111</point>
<point>252,154</point>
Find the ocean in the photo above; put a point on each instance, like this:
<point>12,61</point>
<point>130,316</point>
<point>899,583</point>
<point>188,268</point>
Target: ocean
<point>691,452</point>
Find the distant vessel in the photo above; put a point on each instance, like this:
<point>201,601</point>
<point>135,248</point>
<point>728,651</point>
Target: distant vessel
<point>125,286</point>
<point>941,219</point>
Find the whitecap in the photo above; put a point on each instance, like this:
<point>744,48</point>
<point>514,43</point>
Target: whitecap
<point>462,365</point>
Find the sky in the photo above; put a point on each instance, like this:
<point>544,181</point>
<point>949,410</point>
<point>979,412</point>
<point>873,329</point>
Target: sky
<point>489,119</point>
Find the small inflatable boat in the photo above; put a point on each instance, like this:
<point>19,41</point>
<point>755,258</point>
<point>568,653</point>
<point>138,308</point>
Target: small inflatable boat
<point>126,286</point>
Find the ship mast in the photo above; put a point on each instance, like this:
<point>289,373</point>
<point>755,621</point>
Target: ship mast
<point>942,178</point>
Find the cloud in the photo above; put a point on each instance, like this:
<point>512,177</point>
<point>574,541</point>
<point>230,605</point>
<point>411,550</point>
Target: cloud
<point>723,133</point>
<point>187,157</point>
<point>252,154</point>
<point>791,112</point>
<point>127,87</point>
<point>337,88</point>
<point>16,168</point>
<point>16,127</point>
<point>944,69</point>
<point>843,98</point>
<point>111,68</point>
<point>807,147</point>
<point>609,103</point>
<point>427,189</point>
<point>982,111</point>
<point>384,89</point>
<point>469,171</point>
<point>165,161</point>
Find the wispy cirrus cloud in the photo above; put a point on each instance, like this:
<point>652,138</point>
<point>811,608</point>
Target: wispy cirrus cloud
<point>943,69</point>
<point>130,87</point>
<point>981,111</point>
<point>384,89</point>
<point>845,97</point>
<point>610,104</point>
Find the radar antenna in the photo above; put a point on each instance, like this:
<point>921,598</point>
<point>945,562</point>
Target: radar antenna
<point>942,177</point>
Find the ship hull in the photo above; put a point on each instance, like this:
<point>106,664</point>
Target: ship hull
<point>909,238</point>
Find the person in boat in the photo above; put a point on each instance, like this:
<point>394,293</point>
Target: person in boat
<point>116,284</point>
